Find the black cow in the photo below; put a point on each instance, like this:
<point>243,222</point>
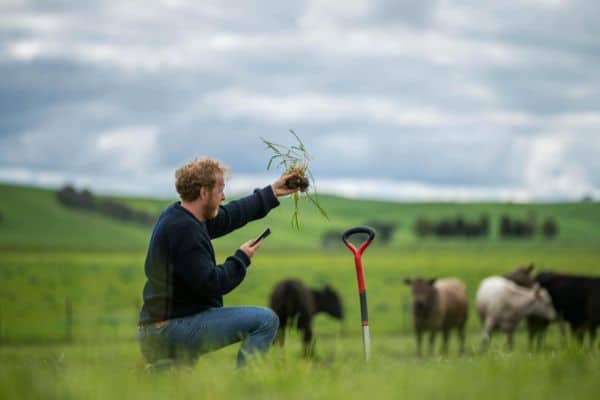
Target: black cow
<point>576,299</point>
<point>292,300</point>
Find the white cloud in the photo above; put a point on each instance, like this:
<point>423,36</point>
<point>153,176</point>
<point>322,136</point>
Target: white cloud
<point>233,103</point>
<point>131,148</point>
<point>25,50</point>
<point>550,165</point>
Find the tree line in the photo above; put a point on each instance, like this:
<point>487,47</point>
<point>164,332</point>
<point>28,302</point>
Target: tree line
<point>68,196</point>
<point>508,227</point>
<point>456,227</point>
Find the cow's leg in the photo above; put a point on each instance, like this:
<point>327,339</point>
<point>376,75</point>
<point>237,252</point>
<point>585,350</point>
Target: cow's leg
<point>280,338</point>
<point>486,338</point>
<point>593,327</point>
<point>541,336</point>
<point>540,340</point>
<point>578,332</point>
<point>461,338</point>
<point>510,339</point>
<point>445,336</point>
<point>418,336</point>
<point>432,334</point>
<point>304,324</point>
<point>531,335</point>
<point>563,330</point>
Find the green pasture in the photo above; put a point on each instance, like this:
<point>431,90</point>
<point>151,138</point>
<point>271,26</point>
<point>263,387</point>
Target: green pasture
<point>104,288</point>
<point>103,360</point>
<point>71,290</point>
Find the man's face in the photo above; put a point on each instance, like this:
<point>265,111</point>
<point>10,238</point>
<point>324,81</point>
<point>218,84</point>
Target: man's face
<point>215,197</point>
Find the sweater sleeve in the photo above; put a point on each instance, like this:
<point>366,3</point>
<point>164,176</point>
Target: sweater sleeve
<point>238,213</point>
<point>194,266</point>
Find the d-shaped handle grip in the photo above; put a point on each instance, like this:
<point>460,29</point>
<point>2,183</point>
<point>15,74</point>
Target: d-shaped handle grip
<point>358,229</point>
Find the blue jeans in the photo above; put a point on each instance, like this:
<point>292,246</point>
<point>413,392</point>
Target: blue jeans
<point>185,339</point>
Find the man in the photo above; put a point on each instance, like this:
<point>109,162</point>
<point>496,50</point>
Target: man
<point>183,315</point>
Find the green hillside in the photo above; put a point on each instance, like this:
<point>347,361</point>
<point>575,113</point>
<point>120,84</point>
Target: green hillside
<point>33,218</point>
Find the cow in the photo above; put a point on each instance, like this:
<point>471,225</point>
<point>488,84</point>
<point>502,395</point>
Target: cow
<point>536,326</point>
<point>576,299</point>
<point>438,305</point>
<point>293,301</point>
<point>501,304</point>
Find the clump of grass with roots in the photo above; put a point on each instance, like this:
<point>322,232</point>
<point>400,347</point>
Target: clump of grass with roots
<point>295,160</point>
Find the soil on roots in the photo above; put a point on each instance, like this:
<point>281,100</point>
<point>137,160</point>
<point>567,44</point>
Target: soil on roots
<point>297,181</point>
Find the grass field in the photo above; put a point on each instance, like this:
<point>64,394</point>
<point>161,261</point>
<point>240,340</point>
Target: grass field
<point>50,257</point>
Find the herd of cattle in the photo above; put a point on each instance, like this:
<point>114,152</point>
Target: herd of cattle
<point>442,305</point>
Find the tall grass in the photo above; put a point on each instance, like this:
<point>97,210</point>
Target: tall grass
<point>116,371</point>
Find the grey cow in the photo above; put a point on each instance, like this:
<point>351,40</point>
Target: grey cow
<point>502,304</point>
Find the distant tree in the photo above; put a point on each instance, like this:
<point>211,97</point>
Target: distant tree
<point>69,197</point>
<point>505,226</point>
<point>476,228</point>
<point>385,230</point>
<point>484,225</point>
<point>550,228</point>
<point>514,227</point>
<point>457,226</point>
<point>422,227</point>
<point>86,199</point>
<point>143,217</point>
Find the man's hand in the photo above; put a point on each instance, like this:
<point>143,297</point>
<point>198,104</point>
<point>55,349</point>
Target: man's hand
<point>249,249</point>
<point>279,187</point>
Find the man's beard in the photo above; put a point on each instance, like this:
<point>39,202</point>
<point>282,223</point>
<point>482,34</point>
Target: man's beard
<point>211,211</point>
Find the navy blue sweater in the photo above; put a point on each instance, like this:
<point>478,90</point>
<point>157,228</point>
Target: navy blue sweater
<point>183,277</point>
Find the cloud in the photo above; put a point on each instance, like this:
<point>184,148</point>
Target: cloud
<point>129,149</point>
<point>394,98</point>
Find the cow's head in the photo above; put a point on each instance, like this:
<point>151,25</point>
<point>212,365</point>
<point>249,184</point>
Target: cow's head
<point>329,301</point>
<point>424,294</point>
<point>541,304</point>
<point>521,275</point>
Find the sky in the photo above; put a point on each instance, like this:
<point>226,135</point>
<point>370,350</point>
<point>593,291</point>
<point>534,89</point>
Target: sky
<point>393,99</point>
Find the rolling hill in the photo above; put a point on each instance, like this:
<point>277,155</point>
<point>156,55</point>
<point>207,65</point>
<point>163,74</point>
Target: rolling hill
<point>32,218</point>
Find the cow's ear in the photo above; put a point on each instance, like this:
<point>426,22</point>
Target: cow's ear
<point>407,281</point>
<point>530,268</point>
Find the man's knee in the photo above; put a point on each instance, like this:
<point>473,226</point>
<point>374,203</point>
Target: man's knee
<point>269,318</point>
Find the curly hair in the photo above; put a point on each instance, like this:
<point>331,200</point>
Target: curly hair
<point>197,173</point>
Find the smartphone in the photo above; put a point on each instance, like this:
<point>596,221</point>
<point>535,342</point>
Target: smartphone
<point>262,235</point>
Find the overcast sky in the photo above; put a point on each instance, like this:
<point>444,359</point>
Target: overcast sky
<point>394,99</point>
